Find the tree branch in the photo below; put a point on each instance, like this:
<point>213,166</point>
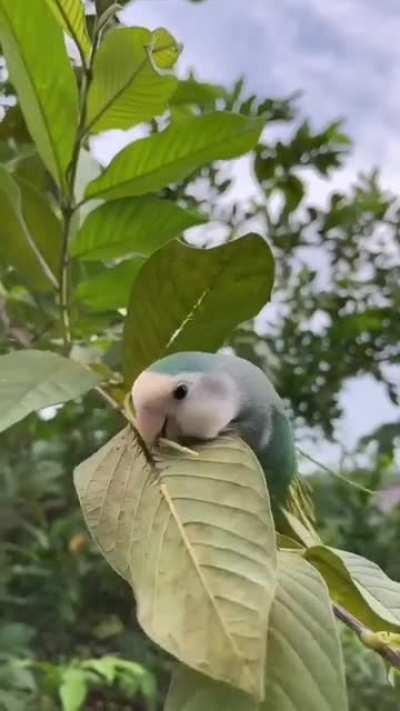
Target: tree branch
<point>371,640</point>
<point>69,206</point>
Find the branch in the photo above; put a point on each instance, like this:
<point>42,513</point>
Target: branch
<point>69,206</point>
<point>372,640</point>
<point>105,395</point>
<point>64,278</point>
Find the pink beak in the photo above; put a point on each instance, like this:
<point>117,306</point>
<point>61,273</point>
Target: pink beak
<point>150,424</point>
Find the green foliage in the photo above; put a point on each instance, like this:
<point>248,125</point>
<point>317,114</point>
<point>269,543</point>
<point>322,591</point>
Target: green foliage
<point>32,380</point>
<point>46,90</point>
<point>190,91</point>
<point>359,585</point>
<point>203,286</point>
<point>189,143</point>
<point>71,16</point>
<point>84,286</point>
<point>110,288</point>
<point>302,638</point>
<point>131,226</point>
<point>71,687</point>
<point>31,233</point>
<point>127,86</point>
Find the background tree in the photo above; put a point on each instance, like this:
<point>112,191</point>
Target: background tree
<point>62,291</point>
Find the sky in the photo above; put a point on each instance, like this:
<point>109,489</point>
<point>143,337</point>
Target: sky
<point>344,57</point>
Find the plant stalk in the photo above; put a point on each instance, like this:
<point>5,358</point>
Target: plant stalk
<point>69,206</point>
<point>369,638</point>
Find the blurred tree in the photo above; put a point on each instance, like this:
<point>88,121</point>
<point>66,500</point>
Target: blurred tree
<point>335,316</point>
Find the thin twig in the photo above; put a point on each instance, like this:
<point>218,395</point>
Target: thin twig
<point>125,411</point>
<point>64,279</point>
<point>370,639</point>
<point>129,414</point>
<point>163,441</point>
<point>111,401</point>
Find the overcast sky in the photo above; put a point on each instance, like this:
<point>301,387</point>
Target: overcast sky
<point>344,56</point>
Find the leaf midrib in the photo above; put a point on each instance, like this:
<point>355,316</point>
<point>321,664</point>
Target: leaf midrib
<point>188,546</point>
<point>114,98</point>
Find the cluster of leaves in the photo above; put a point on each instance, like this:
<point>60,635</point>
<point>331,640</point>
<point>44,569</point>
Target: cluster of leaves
<point>241,598</point>
<point>88,257</point>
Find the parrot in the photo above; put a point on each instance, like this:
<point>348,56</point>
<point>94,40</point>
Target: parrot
<point>199,396</point>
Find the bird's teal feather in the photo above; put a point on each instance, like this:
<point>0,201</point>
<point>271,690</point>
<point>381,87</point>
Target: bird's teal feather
<point>261,420</point>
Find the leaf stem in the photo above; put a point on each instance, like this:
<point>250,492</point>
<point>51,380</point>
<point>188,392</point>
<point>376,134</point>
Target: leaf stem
<point>105,395</point>
<point>368,637</point>
<point>64,279</point>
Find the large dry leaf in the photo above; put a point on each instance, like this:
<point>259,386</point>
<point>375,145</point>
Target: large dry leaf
<point>196,541</point>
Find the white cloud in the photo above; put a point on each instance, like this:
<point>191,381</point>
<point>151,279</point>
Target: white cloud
<point>342,55</point>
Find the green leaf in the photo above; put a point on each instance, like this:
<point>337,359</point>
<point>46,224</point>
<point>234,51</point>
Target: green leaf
<point>360,586</point>
<point>15,638</point>
<point>105,667</point>
<point>87,169</point>
<point>73,689</point>
<point>31,380</point>
<point>285,541</point>
<point>304,670</point>
<point>204,520</point>
<point>304,660</point>
<point>191,299</point>
<point>30,233</point>
<point>111,667</point>
<point>13,126</point>
<point>110,289</point>
<point>46,89</point>
<point>293,190</point>
<point>128,86</point>
<point>71,16</point>
<point>131,226</point>
<point>190,91</point>
<point>192,691</point>
<point>164,49</point>
<point>153,163</point>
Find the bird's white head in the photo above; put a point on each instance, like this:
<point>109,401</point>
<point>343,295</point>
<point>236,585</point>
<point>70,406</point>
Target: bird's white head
<point>184,405</point>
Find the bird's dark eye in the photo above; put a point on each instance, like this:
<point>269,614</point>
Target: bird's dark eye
<point>180,392</point>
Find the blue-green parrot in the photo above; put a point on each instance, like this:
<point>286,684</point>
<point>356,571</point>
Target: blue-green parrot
<point>196,395</point>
